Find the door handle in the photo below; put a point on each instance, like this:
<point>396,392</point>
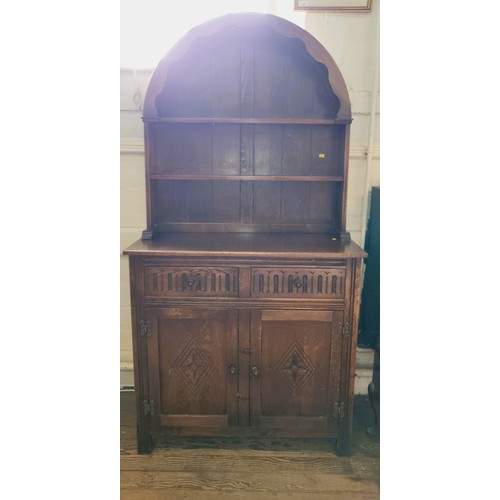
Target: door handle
<point>255,370</point>
<point>232,369</point>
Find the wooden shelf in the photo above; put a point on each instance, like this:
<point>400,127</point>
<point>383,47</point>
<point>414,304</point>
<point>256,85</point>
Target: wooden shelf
<point>250,121</point>
<point>284,178</point>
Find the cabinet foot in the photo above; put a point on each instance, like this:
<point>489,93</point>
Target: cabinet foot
<point>144,444</point>
<point>375,404</point>
<point>343,448</point>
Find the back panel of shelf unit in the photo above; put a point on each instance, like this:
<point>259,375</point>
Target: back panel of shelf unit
<point>236,149</point>
<point>247,73</point>
<point>262,206</point>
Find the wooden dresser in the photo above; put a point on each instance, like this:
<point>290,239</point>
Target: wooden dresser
<point>245,285</point>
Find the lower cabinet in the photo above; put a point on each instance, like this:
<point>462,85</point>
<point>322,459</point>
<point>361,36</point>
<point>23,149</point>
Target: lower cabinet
<point>225,347</point>
<point>240,372</point>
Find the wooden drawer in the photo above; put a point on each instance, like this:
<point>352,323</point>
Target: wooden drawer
<point>167,281</point>
<point>314,283</point>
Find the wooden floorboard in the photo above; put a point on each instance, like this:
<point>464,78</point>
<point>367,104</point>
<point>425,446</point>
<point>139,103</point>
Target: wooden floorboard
<point>249,468</point>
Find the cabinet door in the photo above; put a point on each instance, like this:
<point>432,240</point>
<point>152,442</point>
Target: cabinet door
<point>192,357</point>
<point>295,370</point>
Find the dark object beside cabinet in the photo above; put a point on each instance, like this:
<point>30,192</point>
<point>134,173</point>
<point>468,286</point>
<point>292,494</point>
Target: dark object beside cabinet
<point>369,316</point>
<point>245,285</point>
<point>369,321</point>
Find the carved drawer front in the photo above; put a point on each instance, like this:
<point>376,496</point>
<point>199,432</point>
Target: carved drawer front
<point>191,281</point>
<point>298,283</point>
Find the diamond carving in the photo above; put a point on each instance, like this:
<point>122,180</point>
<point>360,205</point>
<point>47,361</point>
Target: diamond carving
<point>193,367</point>
<point>295,368</point>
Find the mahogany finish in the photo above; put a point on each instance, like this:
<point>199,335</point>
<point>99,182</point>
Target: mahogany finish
<point>245,286</point>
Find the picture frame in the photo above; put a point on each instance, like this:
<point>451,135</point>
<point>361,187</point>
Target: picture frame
<point>334,5</point>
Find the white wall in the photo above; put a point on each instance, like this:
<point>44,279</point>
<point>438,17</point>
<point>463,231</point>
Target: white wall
<point>352,40</point>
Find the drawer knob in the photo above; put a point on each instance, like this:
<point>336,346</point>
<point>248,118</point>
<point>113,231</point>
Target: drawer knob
<point>255,370</point>
<point>297,282</point>
<point>190,281</point>
<point>232,369</point>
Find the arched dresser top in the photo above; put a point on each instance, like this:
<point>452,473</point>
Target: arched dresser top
<point>250,21</point>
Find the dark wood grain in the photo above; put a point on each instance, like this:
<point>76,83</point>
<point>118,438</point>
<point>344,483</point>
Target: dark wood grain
<point>192,351</point>
<point>245,287</point>
<point>296,366</point>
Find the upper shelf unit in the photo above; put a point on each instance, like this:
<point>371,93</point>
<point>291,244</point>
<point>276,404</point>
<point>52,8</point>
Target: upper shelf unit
<point>247,130</point>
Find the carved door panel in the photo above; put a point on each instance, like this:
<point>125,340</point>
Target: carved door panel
<point>192,357</point>
<point>295,369</point>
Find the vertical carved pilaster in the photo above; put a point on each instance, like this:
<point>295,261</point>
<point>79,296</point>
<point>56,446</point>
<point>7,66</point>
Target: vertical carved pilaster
<point>357,287</point>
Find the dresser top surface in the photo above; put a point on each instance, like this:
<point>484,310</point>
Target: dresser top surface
<point>318,246</point>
